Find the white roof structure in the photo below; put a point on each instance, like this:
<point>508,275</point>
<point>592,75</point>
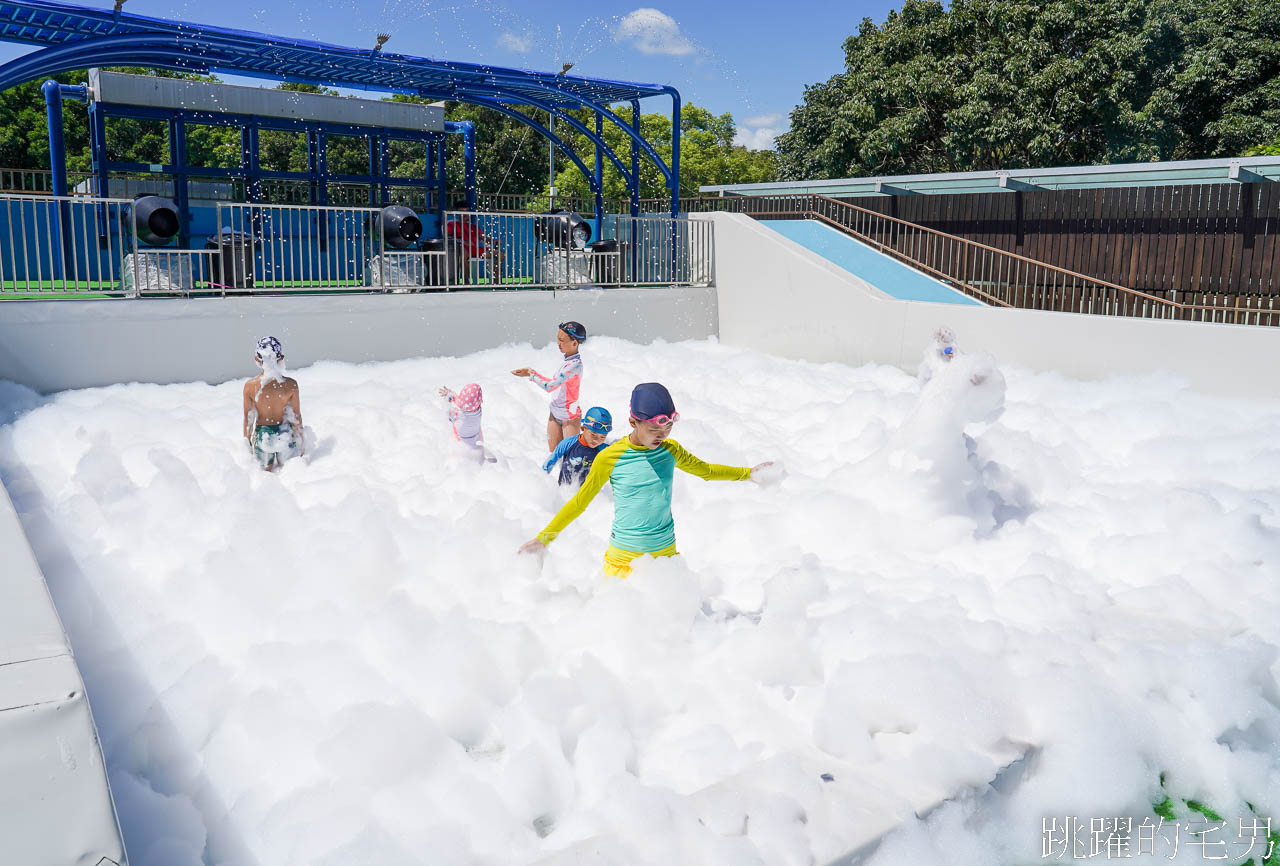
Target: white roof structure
<point>1245,169</point>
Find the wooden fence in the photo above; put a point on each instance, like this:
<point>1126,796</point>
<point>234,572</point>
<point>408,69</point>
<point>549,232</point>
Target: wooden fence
<point>1208,242</point>
<point>995,275</point>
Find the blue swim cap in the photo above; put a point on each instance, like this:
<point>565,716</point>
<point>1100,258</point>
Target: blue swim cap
<point>597,420</point>
<point>650,400</point>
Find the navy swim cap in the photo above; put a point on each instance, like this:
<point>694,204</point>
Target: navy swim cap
<point>597,420</point>
<point>651,400</point>
<point>575,330</point>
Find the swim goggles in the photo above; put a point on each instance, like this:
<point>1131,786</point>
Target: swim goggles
<point>596,424</point>
<point>660,420</point>
<point>950,350</point>
<point>573,330</point>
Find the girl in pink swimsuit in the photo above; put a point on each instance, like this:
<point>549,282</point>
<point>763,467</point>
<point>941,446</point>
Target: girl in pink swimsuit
<point>565,386</point>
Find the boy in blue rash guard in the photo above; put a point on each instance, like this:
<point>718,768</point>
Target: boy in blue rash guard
<point>640,468</point>
<point>580,452</point>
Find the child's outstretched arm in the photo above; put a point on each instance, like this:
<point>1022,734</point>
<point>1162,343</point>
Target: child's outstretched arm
<point>686,462</point>
<point>601,469</point>
<point>570,369</point>
<point>565,445</point>
<point>447,393</point>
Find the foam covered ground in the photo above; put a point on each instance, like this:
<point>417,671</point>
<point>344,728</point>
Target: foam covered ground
<point>347,663</point>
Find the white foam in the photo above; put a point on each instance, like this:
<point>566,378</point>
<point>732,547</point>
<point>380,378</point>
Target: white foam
<point>347,660</point>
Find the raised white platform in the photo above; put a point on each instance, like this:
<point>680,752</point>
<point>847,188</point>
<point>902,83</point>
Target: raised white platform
<point>776,296</point>
<point>55,805</point>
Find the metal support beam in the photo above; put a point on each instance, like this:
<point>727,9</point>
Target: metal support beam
<point>433,192</point>
<point>599,178</point>
<point>178,160</point>
<point>887,189</point>
<point>1013,184</point>
<point>673,178</point>
<point>442,180</point>
<point>1240,174</point>
<point>58,171</point>
<point>634,185</point>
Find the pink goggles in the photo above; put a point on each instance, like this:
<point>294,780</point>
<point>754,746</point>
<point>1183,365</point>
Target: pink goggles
<point>660,420</point>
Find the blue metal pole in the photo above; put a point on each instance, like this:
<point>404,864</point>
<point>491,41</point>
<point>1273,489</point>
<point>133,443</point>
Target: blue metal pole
<point>468,130</point>
<point>384,166</point>
<point>58,170</point>
<point>373,170</point>
<point>635,159</point>
<point>675,184</point>
<point>635,180</point>
<point>322,166</point>
<point>313,165</point>
<point>599,178</point>
<point>52,91</point>
<point>98,164</point>
<point>442,179</point>
<point>675,158</point>
<point>322,183</point>
<point>178,160</point>
<point>431,180</point>
<point>249,162</point>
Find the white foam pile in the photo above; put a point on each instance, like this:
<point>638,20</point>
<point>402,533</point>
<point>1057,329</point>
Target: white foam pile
<point>346,662</point>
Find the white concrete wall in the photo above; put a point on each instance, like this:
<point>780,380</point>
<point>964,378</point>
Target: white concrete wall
<point>776,296</point>
<point>55,805</point>
<point>56,345</point>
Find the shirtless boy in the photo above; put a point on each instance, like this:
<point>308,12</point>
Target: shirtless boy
<point>272,413</point>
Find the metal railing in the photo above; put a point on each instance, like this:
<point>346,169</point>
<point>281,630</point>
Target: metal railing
<point>992,275</point>
<point>678,252</point>
<point>63,245</point>
<point>78,246</point>
<point>36,181</point>
<point>504,250</point>
<point>291,247</point>
<point>538,203</point>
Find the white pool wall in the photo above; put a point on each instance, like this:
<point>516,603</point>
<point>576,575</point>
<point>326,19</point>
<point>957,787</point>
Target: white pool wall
<point>58,345</point>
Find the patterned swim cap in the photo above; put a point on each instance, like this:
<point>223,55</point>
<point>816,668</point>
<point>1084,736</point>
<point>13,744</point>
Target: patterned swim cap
<point>597,420</point>
<point>269,347</point>
<point>470,398</point>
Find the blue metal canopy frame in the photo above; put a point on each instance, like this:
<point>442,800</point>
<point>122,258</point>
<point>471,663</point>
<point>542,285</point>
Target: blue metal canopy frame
<point>77,37</point>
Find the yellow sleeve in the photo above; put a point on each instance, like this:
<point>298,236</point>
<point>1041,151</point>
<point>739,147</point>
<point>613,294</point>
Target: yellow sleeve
<point>601,468</point>
<point>686,462</point>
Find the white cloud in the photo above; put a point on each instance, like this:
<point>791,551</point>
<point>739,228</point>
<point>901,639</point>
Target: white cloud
<point>763,120</point>
<point>652,32</point>
<point>514,42</point>
<point>757,138</point>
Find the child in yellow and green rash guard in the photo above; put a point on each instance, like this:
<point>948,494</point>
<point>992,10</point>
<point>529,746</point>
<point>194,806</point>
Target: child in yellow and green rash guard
<point>640,468</point>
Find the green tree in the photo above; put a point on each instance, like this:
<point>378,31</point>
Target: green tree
<point>1014,83</point>
<point>1272,149</point>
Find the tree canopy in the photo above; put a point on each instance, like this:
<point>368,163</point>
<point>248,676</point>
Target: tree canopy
<point>510,157</point>
<point>990,84</point>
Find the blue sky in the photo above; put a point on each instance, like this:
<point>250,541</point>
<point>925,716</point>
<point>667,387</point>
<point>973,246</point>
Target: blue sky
<point>749,57</point>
